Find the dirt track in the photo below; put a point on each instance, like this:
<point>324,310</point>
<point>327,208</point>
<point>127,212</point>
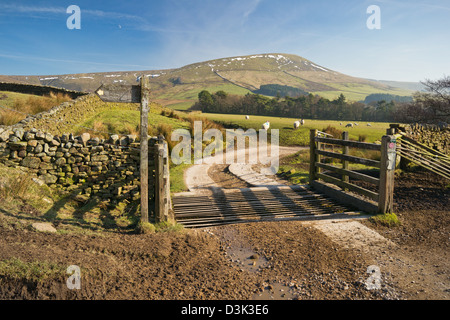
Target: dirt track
<point>282,260</point>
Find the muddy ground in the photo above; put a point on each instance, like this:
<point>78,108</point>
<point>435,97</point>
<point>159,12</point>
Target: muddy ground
<point>266,260</point>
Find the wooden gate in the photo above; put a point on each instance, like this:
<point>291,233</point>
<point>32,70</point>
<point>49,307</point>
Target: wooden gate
<point>338,180</point>
<point>424,156</point>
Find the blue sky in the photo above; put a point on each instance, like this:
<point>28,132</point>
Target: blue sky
<point>412,44</point>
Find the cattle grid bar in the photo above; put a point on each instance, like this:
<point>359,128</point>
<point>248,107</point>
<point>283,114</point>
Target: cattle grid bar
<point>272,203</point>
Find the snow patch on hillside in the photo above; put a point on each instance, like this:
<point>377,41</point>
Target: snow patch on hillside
<point>317,67</point>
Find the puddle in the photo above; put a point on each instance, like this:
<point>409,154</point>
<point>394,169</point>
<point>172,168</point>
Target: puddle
<point>239,251</point>
<point>246,258</point>
<point>275,291</point>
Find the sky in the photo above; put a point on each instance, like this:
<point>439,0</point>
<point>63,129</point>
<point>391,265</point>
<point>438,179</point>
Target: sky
<point>412,42</point>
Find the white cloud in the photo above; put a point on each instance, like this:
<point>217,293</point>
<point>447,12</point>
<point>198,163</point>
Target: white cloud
<point>253,6</point>
<point>61,10</point>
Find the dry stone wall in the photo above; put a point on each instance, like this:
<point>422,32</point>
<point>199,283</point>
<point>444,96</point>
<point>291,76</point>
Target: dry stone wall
<point>107,168</point>
<point>433,136</point>
<point>37,89</point>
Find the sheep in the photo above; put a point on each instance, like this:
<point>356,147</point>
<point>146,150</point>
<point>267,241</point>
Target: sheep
<point>266,125</point>
<point>340,123</point>
<point>302,122</point>
<point>247,117</point>
<point>349,125</point>
<point>369,125</point>
<point>356,124</point>
<point>296,124</point>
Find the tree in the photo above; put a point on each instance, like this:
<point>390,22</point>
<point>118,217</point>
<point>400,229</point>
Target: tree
<point>205,99</point>
<point>432,106</point>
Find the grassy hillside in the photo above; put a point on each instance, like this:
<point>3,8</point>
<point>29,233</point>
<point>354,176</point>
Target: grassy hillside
<point>178,88</point>
<point>26,104</point>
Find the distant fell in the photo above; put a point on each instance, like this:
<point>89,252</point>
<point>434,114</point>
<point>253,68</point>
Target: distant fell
<point>240,75</point>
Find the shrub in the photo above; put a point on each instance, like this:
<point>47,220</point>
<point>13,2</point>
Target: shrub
<point>335,132</point>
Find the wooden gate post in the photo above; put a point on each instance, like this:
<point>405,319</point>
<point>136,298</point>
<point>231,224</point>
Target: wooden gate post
<point>163,203</point>
<point>387,170</point>
<point>144,149</point>
<point>312,155</point>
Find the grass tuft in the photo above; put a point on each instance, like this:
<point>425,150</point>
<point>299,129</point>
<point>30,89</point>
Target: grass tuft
<point>36,271</point>
<point>387,220</point>
<point>145,228</point>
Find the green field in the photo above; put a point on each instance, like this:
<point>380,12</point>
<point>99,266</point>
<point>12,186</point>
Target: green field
<point>289,136</point>
<point>358,92</point>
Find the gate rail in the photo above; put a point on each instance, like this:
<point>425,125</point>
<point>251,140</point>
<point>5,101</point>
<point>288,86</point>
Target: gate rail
<point>424,156</point>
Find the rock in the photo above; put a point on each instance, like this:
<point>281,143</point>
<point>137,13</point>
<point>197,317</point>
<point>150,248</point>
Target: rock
<point>39,148</point>
<point>31,162</point>
<point>13,138</point>
<point>40,135</point>
<point>38,181</point>
<point>4,136</point>
<point>54,143</point>
<point>60,161</point>
<point>32,143</point>
<point>18,145</point>
<point>48,138</point>
<point>44,227</point>
<point>113,139</point>
<point>131,138</point>
<point>123,141</point>
<point>49,178</point>
<point>100,157</point>
<point>19,133</point>
<point>84,138</point>
<point>22,153</point>
<point>94,141</point>
<point>45,166</point>
<point>29,136</point>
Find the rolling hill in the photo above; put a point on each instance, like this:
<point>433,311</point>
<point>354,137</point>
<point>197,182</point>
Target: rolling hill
<point>178,88</point>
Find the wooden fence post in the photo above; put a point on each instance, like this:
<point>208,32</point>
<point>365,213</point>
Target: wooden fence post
<point>144,149</point>
<point>312,155</point>
<point>387,170</point>
<point>345,150</point>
